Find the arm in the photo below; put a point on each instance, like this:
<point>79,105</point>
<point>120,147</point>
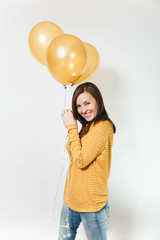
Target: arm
<point>85,150</point>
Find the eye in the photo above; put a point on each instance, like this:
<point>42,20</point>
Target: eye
<point>87,103</point>
<point>78,106</point>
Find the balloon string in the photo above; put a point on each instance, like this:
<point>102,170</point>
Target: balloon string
<point>70,96</point>
<point>62,169</point>
<point>65,97</point>
<point>68,235</point>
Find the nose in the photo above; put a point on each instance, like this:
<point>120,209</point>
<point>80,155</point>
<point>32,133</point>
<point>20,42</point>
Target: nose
<point>83,109</point>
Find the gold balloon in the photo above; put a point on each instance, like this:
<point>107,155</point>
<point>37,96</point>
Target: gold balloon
<point>66,58</point>
<point>92,65</point>
<point>40,36</point>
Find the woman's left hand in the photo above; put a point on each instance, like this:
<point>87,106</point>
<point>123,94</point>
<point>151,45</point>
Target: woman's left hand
<point>67,117</point>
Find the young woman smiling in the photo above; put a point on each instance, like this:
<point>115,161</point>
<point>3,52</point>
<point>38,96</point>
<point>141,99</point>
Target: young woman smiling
<point>86,189</point>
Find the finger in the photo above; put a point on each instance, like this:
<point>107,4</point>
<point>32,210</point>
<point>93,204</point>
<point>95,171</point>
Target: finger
<point>64,112</point>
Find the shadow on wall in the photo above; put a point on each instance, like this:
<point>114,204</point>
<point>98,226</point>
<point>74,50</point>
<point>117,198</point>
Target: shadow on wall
<point>113,88</point>
<point>122,220</point>
<point>110,84</point>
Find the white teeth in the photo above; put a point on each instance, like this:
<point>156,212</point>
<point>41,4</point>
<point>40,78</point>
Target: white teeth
<point>87,114</point>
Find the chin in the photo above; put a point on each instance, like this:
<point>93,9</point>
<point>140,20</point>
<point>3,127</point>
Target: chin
<point>89,119</point>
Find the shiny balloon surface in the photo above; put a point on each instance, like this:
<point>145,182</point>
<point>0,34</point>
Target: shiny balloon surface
<point>92,64</point>
<point>40,37</point>
<point>66,58</point>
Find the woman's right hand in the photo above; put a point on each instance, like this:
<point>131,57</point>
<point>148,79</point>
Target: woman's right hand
<point>67,117</point>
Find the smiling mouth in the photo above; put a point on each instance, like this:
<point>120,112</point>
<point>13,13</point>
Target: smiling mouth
<point>87,115</point>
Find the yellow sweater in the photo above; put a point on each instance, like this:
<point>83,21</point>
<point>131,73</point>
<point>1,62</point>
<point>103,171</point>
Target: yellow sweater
<point>86,187</point>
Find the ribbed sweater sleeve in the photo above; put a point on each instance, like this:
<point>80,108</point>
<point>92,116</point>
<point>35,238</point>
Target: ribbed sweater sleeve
<point>85,151</point>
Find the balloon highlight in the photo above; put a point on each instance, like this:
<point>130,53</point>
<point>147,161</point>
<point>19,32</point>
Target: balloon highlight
<point>39,38</point>
<point>66,58</point>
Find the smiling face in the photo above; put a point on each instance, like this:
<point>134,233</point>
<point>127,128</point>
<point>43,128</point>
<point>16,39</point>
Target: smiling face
<point>87,106</point>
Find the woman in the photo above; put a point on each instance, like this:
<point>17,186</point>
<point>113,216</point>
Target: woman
<point>86,189</point>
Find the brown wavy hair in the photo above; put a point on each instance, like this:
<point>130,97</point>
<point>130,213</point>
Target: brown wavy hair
<point>101,111</point>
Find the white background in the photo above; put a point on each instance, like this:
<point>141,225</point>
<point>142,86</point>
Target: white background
<point>32,136</point>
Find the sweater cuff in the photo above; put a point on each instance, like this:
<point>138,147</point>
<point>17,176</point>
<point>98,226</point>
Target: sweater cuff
<point>72,126</point>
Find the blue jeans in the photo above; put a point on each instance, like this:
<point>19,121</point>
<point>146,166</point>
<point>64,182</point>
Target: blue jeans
<point>95,223</point>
